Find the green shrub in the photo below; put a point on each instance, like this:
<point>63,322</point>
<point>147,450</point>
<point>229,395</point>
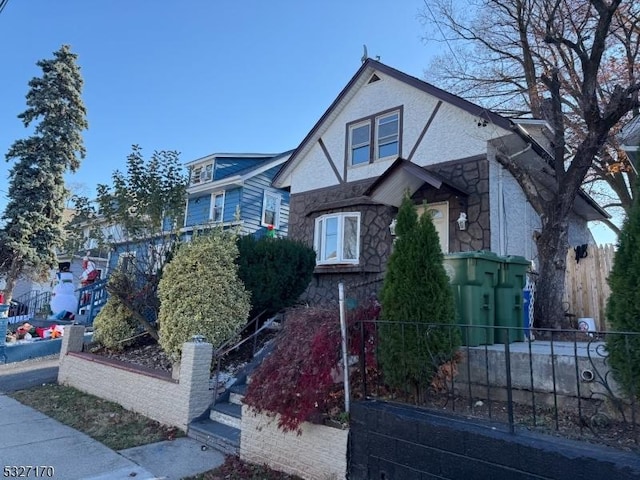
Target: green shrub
<point>415,295</point>
<point>275,270</point>
<point>114,327</point>
<point>623,305</point>
<point>201,294</point>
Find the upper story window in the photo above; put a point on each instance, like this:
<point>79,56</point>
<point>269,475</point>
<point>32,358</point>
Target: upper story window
<point>217,207</point>
<point>201,174</point>
<point>271,209</point>
<point>374,138</point>
<point>337,238</point>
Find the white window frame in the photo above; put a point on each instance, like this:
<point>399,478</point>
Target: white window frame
<point>353,146</point>
<point>397,134</point>
<point>212,206</point>
<point>320,244</point>
<point>278,199</point>
<point>202,173</point>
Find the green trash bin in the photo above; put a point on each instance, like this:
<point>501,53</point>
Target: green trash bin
<point>473,277</point>
<point>512,276</point>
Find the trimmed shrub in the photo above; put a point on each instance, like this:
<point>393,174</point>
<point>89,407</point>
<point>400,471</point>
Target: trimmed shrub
<point>301,378</point>
<point>200,293</point>
<point>415,295</point>
<point>114,327</point>
<point>623,305</point>
<point>275,270</point>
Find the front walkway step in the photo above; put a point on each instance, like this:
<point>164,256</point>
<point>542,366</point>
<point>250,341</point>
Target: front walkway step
<point>216,435</point>
<point>227,413</point>
<point>237,393</point>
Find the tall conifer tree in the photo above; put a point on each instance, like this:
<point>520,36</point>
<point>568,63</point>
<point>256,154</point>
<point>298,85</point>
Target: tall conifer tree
<point>623,305</point>
<point>33,217</point>
<point>416,292</point>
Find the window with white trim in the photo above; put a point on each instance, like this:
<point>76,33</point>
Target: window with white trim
<point>337,238</point>
<point>216,214</point>
<point>271,209</point>
<point>374,138</point>
<point>201,174</point>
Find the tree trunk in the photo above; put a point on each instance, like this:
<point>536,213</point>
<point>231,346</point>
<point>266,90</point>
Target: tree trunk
<point>552,251</point>
<point>12,278</point>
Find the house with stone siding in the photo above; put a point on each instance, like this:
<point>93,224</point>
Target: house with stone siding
<point>388,133</point>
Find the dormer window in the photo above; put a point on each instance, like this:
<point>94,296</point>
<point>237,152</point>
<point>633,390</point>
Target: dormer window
<point>374,138</point>
<point>202,174</point>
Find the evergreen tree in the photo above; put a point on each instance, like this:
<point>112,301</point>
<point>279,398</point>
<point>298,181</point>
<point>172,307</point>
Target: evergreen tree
<point>623,305</point>
<point>415,293</point>
<point>33,217</point>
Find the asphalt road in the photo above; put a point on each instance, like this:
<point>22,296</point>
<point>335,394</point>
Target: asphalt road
<point>30,374</point>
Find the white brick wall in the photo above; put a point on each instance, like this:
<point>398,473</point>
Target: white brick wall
<point>319,453</point>
<point>164,400</point>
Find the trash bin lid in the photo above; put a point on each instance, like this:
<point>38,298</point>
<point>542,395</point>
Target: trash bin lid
<point>517,259</point>
<point>481,254</point>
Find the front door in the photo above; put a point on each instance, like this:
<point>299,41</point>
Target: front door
<point>440,217</point>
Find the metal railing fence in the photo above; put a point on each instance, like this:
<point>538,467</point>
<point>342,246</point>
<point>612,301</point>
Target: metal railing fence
<point>571,383</point>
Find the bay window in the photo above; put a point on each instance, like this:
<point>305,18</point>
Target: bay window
<point>337,238</point>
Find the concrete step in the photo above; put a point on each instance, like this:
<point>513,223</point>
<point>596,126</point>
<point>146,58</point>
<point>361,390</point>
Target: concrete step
<point>226,413</point>
<point>215,435</point>
<point>237,393</point>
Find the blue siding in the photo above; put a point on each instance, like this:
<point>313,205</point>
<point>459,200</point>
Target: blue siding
<point>252,199</point>
<point>198,210</point>
<point>226,167</point>
<point>231,202</point>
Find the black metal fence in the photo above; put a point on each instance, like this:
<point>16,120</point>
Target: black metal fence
<point>560,382</point>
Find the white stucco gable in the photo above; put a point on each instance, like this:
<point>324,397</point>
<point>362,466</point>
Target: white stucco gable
<point>434,127</point>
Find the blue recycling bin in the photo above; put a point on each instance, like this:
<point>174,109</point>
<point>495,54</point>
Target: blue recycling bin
<point>4,309</point>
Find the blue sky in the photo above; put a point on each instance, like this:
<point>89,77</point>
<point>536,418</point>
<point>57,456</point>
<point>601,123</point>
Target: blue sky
<point>200,76</point>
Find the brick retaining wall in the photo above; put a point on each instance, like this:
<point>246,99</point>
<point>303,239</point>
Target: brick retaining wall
<point>151,393</point>
<point>319,453</point>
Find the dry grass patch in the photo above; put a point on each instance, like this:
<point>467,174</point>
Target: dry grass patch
<point>105,421</point>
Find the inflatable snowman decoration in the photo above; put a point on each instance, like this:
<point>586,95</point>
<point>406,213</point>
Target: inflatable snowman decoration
<point>63,298</point>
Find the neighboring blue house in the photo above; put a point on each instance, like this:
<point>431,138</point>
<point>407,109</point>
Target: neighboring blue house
<point>235,189</point>
<point>225,190</point>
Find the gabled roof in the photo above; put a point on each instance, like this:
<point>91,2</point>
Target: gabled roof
<point>360,78</point>
<point>239,177</point>
<point>390,187</point>
<point>213,156</point>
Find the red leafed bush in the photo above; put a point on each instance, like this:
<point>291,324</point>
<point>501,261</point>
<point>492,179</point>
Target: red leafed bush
<point>301,379</point>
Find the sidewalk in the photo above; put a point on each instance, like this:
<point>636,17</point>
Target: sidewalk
<point>30,438</point>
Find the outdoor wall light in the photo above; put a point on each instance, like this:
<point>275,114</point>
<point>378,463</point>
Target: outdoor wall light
<point>462,221</point>
<point>392,227</point>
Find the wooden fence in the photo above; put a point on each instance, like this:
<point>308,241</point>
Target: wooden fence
<point>586,287</point>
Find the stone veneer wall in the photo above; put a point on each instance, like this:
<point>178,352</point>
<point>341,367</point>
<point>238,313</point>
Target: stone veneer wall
<point>157,396</point>
<point>365,280</point>
<point>319,453</point>
<point>471,176</point>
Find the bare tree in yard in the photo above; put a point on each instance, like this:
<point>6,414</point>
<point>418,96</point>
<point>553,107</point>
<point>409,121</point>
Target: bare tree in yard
<point>143,208</point>
<point>572,62</point>
<point>33,228</point>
